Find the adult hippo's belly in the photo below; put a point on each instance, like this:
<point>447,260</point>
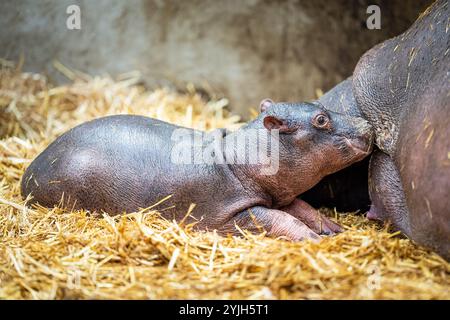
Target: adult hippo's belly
<point>402,87</point>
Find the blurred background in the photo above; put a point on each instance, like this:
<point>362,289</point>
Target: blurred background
<point>243,50</point>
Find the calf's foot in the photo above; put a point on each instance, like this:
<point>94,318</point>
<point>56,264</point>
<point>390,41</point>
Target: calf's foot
<point>276,223</point>
<point>312,218</point>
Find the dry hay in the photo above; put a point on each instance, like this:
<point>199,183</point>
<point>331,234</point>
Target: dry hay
<point>48,254</point>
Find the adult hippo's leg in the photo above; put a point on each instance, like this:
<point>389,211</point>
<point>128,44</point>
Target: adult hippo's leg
<point>386,192</point>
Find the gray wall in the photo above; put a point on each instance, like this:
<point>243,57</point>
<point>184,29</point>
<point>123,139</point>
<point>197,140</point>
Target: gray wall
<point>244,50</point>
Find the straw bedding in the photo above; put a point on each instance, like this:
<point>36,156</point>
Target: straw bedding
<point>58,254</point>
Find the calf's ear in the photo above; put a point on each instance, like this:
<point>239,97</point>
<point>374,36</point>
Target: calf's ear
<point>275,123</point>
<point>265,104</point>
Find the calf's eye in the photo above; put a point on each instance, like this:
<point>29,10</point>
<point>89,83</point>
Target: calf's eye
<point>321,121</point>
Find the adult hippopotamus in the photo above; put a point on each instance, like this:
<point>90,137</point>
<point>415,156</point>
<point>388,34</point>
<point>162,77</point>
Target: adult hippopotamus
<point>402,87</point>
<point>123,163</point>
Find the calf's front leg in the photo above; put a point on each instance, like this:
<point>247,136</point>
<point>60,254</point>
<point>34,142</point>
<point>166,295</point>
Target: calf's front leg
<point>312,217</point>
<point>276,223</point>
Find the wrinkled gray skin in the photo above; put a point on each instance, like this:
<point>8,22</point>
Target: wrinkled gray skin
<point>123,163</point>
<point>402,86</point>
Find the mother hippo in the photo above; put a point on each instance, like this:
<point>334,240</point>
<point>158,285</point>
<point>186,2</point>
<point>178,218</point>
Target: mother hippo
<point>402,86</point>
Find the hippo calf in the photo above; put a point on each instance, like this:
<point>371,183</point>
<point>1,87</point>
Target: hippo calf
<point>125,162</point>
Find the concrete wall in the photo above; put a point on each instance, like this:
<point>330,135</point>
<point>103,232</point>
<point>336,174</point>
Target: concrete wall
<point>244,50</point>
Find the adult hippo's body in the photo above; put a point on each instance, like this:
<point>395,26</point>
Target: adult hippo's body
<point>402,86</point>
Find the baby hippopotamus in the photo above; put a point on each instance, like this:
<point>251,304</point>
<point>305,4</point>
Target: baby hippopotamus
<point>123,163</point>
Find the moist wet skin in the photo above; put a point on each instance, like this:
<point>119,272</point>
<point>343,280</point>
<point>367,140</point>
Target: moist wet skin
<point>122,163</point>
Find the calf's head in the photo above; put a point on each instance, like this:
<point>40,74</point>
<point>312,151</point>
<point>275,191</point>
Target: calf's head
<point>315,142</point>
